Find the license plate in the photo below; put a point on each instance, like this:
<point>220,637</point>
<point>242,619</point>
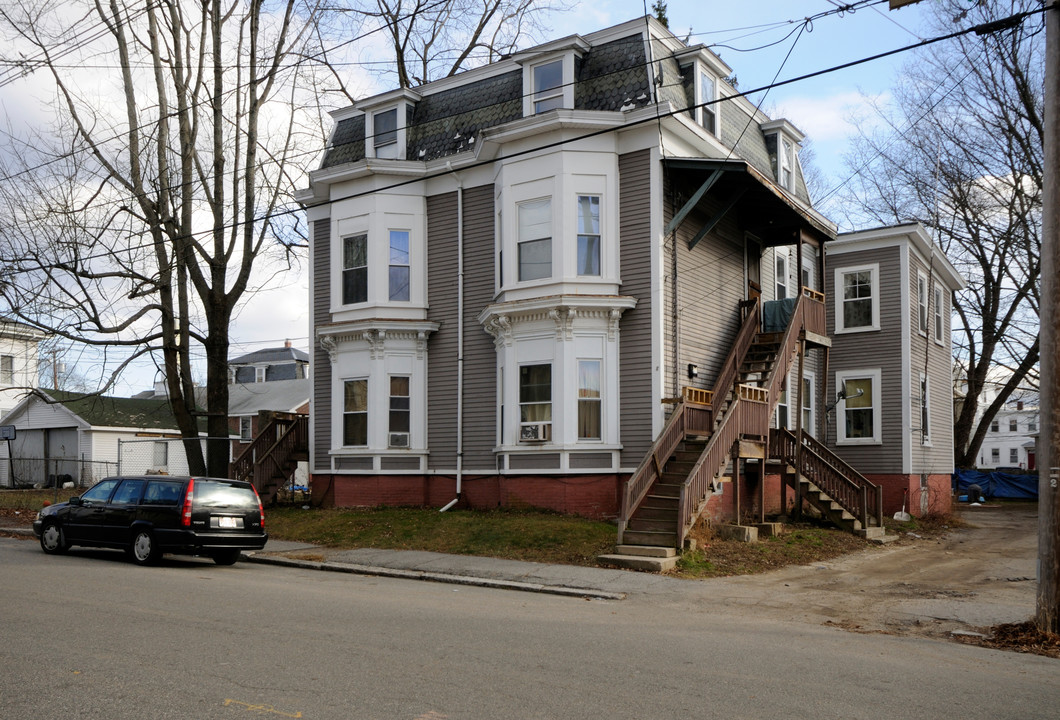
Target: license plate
<point>231,523</point>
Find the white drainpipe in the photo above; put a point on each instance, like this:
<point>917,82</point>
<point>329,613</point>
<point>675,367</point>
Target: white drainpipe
<point>459,339</point>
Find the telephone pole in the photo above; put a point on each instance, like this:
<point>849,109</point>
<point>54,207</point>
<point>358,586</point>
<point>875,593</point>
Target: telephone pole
<point>1048,603</point>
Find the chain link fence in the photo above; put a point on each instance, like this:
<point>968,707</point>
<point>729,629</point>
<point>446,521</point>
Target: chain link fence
<point>160,456</point>
<point>21,472</point>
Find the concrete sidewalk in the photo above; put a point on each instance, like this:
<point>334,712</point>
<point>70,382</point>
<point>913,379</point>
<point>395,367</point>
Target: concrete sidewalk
<point>568,580</point>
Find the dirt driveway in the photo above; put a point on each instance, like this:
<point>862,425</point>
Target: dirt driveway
<point>975,577</point>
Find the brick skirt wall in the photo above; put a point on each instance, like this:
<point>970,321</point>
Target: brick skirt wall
<point>594,496</point>
<point>935,499</point>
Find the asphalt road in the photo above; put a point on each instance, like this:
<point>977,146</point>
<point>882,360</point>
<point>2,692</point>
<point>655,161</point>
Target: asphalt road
<point>90,635</point>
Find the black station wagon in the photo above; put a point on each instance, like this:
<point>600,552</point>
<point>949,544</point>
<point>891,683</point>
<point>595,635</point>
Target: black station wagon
<point>150,515</point>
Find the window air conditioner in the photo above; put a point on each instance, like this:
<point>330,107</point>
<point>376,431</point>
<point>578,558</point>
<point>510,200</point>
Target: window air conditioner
<point>535,432</point>
<point>399,440</point>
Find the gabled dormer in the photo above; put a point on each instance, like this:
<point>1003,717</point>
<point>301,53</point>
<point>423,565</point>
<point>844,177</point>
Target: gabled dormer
<point>782,141</point>
<point>386,118</point>
<point>704,72</point>
<point>548,74</point>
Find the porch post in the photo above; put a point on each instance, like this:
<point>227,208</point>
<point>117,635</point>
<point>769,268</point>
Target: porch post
<point>735,453</point>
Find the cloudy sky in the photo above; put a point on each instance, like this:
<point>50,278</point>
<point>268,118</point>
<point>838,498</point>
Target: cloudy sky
<point>762,40</point>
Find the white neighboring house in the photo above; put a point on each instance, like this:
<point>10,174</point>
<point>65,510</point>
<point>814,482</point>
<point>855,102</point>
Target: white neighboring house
<point>66,437</point>
<point>18,361</point>
<point>1009,441</point>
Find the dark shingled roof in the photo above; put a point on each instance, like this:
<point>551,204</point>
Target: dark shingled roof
<point>348,143</point>
<point>105,411</point>
<point>438,119</point>
<point>271,355</point>
<point>612,75</point>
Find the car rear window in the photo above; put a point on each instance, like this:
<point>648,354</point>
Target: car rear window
<point>218,494</point>
<point>162,493</point>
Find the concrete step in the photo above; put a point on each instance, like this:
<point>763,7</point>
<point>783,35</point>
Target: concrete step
<point>645,551</point>
<point>652,539</point>
<point>639,562</point>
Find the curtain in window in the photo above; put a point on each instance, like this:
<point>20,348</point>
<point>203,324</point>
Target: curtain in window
<point>535,393</point>
<point>589,403</point>
<point>859,416</point>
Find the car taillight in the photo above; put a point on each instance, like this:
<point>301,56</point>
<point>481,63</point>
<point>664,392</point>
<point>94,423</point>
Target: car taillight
<point>261,508</point>
<point>185,513</point>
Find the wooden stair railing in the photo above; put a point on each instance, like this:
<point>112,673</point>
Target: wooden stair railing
<point>268,453</point>
<point>846,486</point>
<point>242,468</point>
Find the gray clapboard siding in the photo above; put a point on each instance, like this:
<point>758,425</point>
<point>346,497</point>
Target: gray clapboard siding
<point>480,360</point>
<point>635,337</point>
<point>866,350</point>
<point>442,263</point>
<point>321,360</point>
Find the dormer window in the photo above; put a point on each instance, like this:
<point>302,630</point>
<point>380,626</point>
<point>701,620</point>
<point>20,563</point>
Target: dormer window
<point>384,133</point>
<point>786,162</point>
<point>548,86</point>
<point>782,140</point>
<point>706,92</point>
<point>548,76</point>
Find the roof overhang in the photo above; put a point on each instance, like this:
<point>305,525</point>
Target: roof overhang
<point>764,209</point>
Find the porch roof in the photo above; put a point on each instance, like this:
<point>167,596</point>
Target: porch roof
<point>764,209</point>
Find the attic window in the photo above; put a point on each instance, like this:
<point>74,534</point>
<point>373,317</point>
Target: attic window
<point>384,133</point>
<point>786,164</point>
<point>548,86</point>
<point>706,92</point>
<point>259,374</point>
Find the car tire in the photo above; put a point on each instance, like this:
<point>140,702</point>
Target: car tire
<point>225,557</point>
<point>53,539</point>
<point>143,550</point>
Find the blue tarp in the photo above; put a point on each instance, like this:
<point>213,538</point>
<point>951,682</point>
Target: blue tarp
<point>997,485</point>
<point>776,314</point>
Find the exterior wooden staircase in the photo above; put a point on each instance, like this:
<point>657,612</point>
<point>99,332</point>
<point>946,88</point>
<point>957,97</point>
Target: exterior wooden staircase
<point>269,462</point>
<point>670,488</point>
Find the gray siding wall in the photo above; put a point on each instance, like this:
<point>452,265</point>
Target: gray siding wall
<point>321,361</point>
<point>480,360</point>
<point>635,337</point>
<point>442,262</point>
<point>936,457</point>
<point>710,285</point>
<point>867,350</point>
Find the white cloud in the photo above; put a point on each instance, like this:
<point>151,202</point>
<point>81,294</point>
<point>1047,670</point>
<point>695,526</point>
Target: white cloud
<point>827,118</point>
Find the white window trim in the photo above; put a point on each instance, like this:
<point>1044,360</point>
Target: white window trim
<point>808,268</point>
<point>811,378</point>
<point>551,238</point>
<point>837,291</point>
<point>248,422</point>
<point>390,264</point>
<point>599,401</point>
<point>701,98</point>
<point>922,302</point>
<point>841,377</point>
<point>781,279</point>
<point>599,235</point>
<point>785,162</point>
<point>259,373</point>
<point>341,436</point>
<point>399,145</point>
<point>567,81</point>
<point>939,318</point>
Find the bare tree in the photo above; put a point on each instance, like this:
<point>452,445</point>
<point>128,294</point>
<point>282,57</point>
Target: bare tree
<point>431,39</point>
<point>961,152</point>
<point>134,223</point>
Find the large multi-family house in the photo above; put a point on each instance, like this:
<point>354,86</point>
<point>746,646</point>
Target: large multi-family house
<point>586,277</point>
<point>891,365</point>
<point>18,361</point>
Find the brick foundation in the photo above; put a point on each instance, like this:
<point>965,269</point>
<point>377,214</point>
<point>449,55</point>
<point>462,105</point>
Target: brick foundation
<point>594,496</point>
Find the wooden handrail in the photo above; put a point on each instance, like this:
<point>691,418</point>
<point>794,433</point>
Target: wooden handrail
<point>749,327</point>
<point>647,472</point>
<point>243,466</point>
<point>697,395</point>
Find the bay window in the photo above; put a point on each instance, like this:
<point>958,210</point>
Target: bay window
<point>354,269</point>
<point>588,235</point>
<point>589,400</point>
<point>535,239</point>
<point>355,413</point>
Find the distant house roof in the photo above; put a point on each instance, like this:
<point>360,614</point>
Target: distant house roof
<point>271,356</point>
<point>105,411</point>
<point>278,396</point>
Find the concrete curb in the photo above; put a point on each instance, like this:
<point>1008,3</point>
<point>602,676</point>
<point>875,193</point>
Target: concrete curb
<point>434,577</point>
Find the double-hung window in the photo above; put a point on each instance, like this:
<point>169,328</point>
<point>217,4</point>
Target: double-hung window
<point>783,414</point>
<point>535,239</point>
<point>787,164</point>
<point>246,428</point>
<point>399,265</point>
<point>548,86</point>
<point>7,369</point>
<point>708,116</point>
<point>535,402</point>
<point>806,400</point>
<point>400,412</point>
<point>939,324</point>
<point>589,400</point>
<point>1013,456</point>
<point>782,275</point>
<point>588,235</point>
<point>384,133</point>
<point>925,410</point>
<point>354,269</point>
<point>859,422</point>
<point>857,306</point>
<point>922,303</point>
<point>355,413</point>
<point>1013,426</point>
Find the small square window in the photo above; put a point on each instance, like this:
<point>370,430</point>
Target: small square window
<point>857,303</point>
<point>548,86</point>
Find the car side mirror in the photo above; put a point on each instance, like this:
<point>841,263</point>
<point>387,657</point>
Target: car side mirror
<point>75,500</point>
